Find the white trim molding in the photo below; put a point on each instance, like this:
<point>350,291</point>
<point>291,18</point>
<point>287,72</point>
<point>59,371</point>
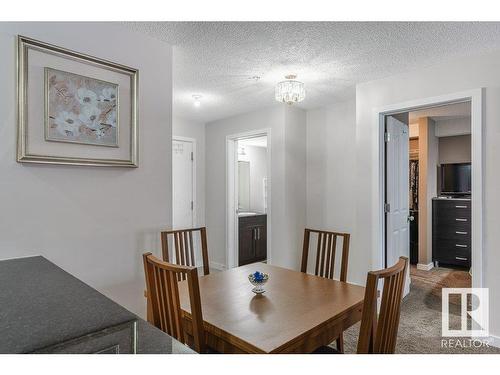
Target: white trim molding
<point>425,267</point>
<point>232,197</point>
<point>476,97</point>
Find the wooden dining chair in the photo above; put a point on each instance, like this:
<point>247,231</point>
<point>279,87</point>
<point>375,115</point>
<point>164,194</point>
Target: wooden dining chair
<point>183,242</point>
<point>378,335</point>
<point>326,247</point>
<point>184,247</point>
<point>163,297</point>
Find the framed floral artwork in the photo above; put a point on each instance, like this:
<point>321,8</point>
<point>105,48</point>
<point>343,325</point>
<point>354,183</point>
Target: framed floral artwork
<point>75,109</point>
<point>80,109</point>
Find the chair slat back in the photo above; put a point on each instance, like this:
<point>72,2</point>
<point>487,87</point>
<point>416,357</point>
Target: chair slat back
<point>184,247</point>
<point>326,247</point>
<point>163,299</point>
<point>378,335</point>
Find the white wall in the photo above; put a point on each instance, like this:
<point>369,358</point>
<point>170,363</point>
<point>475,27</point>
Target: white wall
<point>295,188</point>
<point>458,75</point>
<point>331,166</point>
<point>448,128</point>
<point>216,133</point>
<point>257,157</point>
<point>287,144</point>
<point>331,159</point>
<point>455,149</point>
<point>93,222</point>
<point>182,127</point>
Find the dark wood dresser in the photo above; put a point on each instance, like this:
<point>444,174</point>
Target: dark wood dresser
<point>451,231</point>
<point>252,239</point>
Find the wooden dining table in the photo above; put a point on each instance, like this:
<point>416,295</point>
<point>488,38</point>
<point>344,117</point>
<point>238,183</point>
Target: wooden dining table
<point>297,313</point>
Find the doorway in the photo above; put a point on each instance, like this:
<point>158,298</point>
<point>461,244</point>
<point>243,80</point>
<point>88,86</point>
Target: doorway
<point>248,198</point>
<point>387,167</point>
<point>183,182</point>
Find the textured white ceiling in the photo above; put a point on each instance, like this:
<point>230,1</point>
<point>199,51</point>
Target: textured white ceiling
<point>217,59</point>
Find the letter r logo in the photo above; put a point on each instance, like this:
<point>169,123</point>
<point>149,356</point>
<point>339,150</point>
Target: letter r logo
<point>474,319</point>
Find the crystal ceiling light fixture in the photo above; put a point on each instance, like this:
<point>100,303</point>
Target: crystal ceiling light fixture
<point>197,100</point>
<point>290,91</point>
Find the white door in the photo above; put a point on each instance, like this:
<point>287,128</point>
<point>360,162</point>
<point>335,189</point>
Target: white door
<point>397,192</point>
<point>183,186</point>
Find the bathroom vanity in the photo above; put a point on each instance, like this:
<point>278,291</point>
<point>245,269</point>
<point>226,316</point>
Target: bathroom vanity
<point>252,238</point>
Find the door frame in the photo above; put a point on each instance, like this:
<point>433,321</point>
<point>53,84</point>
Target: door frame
<point>476,98</point>
<point>232,194</point>
<point>195,206</point>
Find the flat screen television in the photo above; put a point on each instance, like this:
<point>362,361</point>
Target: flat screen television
<point>456,178</point>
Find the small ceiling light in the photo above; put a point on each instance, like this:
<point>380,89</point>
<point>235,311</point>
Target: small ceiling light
<point>290,91</point>
<point>197,100</point>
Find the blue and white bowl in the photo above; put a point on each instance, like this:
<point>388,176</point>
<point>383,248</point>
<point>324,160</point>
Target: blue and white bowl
<point>258,279</point>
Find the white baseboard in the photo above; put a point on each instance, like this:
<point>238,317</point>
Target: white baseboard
<point>217,266</point>
<point>425,267</point>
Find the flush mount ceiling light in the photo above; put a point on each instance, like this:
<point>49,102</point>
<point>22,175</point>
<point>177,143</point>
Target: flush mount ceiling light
<point>197,100</point>
<point>290,91</point>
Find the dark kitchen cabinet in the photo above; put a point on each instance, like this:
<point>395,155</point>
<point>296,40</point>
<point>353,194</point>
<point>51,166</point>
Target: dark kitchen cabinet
<point>252,239</point>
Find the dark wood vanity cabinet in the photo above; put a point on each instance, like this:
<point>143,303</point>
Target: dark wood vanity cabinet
<point>451,231</point>
<point>252,239</point>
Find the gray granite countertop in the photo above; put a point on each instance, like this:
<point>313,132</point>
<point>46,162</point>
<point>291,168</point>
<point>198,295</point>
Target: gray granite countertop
<point>41,305</point>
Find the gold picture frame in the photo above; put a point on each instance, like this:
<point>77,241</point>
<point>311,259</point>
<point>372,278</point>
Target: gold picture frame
<point>24,44</point>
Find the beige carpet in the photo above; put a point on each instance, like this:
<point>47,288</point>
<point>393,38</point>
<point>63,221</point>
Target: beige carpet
<point>420,324</point>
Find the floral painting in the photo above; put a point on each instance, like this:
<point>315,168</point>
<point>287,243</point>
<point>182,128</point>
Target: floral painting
<point>80,109</point>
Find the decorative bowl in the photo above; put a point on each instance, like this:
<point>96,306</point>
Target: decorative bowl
<point>258,279</point>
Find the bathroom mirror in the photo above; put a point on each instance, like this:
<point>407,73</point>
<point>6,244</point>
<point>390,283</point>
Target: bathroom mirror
<point>243,185</point>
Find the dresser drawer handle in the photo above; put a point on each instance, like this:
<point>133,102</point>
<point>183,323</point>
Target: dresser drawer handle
<point>461,219</point>
<point>459,232</point>
<point>458,245</point>
<point>460,206</point>
<point>460,258</point>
